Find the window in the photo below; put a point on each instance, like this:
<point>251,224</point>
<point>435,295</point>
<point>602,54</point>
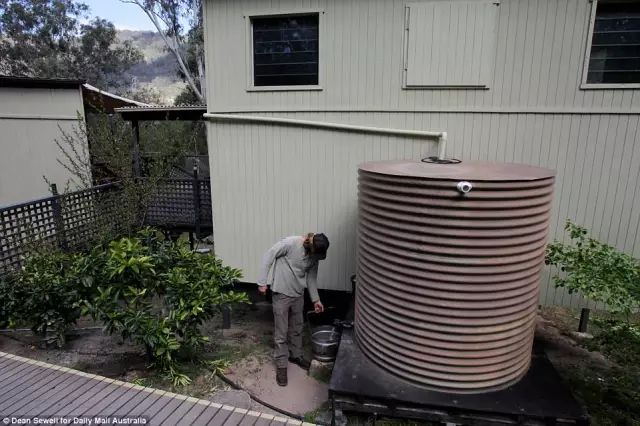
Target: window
<point>450,44</point>
<point>615,43</point>
<point>285,50</point>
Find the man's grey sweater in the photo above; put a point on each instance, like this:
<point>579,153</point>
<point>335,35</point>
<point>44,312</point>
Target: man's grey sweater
<point>288,270</point>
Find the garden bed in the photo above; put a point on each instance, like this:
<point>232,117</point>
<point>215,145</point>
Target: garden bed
<point>606,384</point>
<point>603,372</point>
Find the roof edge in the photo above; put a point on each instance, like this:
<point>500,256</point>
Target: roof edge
<point>40,83</point>
<point>94,89</point>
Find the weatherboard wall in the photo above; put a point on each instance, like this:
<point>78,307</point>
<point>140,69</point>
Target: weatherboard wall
<point>31,120</point>
<point>270,181</point>
<point>537,65</point>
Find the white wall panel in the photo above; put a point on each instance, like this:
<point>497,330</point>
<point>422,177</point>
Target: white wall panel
<point>30,122</point>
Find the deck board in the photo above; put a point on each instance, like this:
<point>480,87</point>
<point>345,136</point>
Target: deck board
<point>19,389</point>
<point>236,416</point>
<point>189,417</point>
<point>51,396</point>
<point>40,394</point>
<point>46,407</point>
<point>209,411</point>
<point>11,370</point>
<point>221,417</point>
<point>31,388</point>
<point>177,415</point>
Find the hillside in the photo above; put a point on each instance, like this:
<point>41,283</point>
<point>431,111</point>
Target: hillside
<point>158,71</point>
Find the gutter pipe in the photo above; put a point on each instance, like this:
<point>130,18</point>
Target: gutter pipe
<point>440,136</point>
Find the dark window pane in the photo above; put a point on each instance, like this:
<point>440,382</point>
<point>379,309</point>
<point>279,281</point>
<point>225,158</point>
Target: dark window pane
<point>611,65</point>
<point>285,50</point>
<point>615,48</point>
<point>613,77</point>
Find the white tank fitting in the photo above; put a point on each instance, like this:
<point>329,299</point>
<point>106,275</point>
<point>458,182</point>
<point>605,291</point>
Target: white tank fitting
<point>464,186</point>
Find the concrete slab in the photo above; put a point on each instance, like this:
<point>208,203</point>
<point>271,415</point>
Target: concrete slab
<point>302,395</point>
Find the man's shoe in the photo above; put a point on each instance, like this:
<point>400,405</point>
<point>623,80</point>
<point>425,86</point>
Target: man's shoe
<point>281,376</point>
<point>303,363</point>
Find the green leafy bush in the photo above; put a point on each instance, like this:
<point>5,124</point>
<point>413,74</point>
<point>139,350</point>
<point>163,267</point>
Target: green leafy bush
<point>599,271</point>
<point>618,339</point>
<point>159,293</point>
<point>8,304</point>
<point>153,291</point>
<point>46,294</point>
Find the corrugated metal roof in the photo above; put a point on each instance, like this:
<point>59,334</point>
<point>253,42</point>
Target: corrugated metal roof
<point>163,112</point>
<point>119,99</point>
<point>162,108</point>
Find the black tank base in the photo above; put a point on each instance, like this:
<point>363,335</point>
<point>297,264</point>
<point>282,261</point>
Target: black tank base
<point>360,386</point>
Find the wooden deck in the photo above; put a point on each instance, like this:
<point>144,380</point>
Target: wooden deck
<point>34,392</point>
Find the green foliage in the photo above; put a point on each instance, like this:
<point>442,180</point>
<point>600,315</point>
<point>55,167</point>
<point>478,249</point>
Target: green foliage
<point>47,38</point>
<point>159,293</point>
<point>140,381</point>
<point>9,303</point>
<point>618,339</point>
<point>217,366</point>
<point>153,291</point>
<point>599,271</point>
<point>164,146</point>
<point>46,294</point>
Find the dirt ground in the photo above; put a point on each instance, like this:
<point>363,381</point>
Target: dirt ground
<point>247,348</point>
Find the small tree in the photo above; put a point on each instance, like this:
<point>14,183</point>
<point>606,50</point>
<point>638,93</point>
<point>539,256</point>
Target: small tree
<point>110,159</point>
<point>598,271</point>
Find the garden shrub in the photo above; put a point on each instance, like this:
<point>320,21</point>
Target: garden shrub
<point>597,270</point>
<point>8,304</point>
<point>618,339</point>
<point>46,295</point>
<point>158,293</point>
<point>153,291</point>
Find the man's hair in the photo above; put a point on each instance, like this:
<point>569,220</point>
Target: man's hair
<point>316,244</point>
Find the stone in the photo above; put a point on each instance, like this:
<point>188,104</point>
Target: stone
<point>581,336</point>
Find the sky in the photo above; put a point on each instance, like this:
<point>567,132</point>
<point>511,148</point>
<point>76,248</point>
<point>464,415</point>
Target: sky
<point>124,16</point>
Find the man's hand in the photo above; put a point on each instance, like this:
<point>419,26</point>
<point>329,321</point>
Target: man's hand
<point>318,307</point>
<point>262,289</point>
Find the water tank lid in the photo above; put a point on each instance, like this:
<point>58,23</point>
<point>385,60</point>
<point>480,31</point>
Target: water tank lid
<point>466,170</point>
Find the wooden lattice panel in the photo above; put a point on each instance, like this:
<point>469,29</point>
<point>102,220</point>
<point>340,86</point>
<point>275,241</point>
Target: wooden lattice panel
<point>73,220</point>
<point>173,203</point>
<point>25,226</point>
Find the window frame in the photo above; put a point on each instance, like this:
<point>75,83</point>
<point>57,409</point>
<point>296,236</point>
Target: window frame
<point>584,85</point>
<point>251,87</point>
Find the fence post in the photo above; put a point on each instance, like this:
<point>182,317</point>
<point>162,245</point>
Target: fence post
<point>136,148</point>
<point>58,219</point>
<point>584,320</point>
<point>196,201</point>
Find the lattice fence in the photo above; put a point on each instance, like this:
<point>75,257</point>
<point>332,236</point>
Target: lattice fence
<point>176,204</point>
<point>73,220</point>
<point>66,221</point>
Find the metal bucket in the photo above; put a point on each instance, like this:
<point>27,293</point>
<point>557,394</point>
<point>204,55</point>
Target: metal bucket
<point>324,342</point>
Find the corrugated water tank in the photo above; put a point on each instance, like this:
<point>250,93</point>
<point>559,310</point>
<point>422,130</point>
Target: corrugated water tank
<point>449,260</point>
